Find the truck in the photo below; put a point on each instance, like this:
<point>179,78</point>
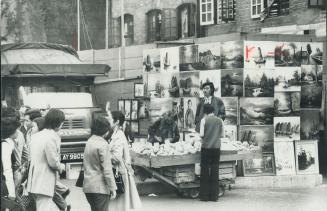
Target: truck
<point>52,76</point>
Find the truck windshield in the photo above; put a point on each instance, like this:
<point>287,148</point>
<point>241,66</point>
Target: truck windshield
<point>59,100</point>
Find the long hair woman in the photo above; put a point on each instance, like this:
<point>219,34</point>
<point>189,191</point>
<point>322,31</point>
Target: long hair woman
<point>129,198</point>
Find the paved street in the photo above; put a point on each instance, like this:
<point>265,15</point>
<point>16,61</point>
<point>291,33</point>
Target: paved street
<point>237,199</point>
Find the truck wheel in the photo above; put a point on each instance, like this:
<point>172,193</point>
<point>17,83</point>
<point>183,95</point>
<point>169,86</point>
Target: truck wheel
<point>194,193</point>
<point>221,191</point>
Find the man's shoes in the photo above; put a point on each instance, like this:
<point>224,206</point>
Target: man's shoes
<point>65,194</point>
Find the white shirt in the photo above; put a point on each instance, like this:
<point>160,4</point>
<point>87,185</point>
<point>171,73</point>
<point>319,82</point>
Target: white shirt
<point>7,148</point>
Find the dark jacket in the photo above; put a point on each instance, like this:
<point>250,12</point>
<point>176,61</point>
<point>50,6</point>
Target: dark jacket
<point>163,129</point>
<point>219,111</point>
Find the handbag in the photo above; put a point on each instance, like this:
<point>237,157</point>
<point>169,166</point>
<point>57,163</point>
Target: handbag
<point>119,181</point>
<point>80,179</point>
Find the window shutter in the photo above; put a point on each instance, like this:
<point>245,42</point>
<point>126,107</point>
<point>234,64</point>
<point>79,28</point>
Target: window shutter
<point>206,12</point>
<point>117,32</point>
<point>169,24</point>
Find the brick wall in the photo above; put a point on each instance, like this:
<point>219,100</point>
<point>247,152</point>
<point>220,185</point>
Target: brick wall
<point>139,9</point>
<point>299,14</point>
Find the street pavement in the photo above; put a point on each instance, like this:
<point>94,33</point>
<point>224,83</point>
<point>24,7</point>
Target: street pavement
<point>282,199</point>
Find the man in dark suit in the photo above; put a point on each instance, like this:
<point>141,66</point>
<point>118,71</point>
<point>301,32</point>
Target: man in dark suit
<point>209,98</point>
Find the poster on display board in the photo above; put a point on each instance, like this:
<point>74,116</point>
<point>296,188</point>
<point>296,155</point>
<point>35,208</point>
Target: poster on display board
<point>230,132</point>
<point>209,57</point>
<point>259,54</point>
<point>287,103</point>
<point>121,106</point>
<point>260,136</point>
<point>169,59</point>
<point>287,128</point>
<point>143,112</point>
<point>232,83</point>
<point>291,54</point>
<point>153,87</point>
<point>306,157</point>
<point>127,109</point>
<point>213,76</point>
<point>231,109</point>
<point>188,56</point>
<point>287,79</point>
<point>309,124</point>
<point>256,110</point>
<point>311,80</point>
<point>284,158</point>
<point>189,84</point>
<point>151,60</point>
<point>190,104</point>
<point>259,82</point>
<point>260,166</point>
<point>232,54</point>
<point>178,110</point>
<point>134,109</point>
<point>169,83</point>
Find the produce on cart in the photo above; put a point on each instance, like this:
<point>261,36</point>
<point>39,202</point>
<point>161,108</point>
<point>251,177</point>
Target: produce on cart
<point>176,164</point>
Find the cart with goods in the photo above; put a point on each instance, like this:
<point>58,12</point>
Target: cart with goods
<point>177,165</point>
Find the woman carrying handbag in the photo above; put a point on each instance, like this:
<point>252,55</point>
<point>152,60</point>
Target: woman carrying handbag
<point>128,198</point>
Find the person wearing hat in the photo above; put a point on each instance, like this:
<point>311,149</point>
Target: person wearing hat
<point>209,98</point>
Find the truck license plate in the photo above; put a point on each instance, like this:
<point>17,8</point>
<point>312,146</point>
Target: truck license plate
<point>72,157</point>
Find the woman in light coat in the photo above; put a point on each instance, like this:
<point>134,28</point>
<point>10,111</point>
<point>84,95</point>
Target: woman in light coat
<point>122,162</point>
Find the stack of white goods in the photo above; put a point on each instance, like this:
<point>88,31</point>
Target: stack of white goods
<point>237,145</point>
<point>167,149</point>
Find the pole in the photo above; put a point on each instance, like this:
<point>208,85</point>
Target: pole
<point>78,27</point>
<point>107,23</point>
<point>122,21</point>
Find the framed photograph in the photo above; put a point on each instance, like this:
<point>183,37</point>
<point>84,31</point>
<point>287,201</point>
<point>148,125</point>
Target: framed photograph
<point>134,111</point>
<point>287,80</point>
<point>127,109</point>
<point>143,112</point>
<point>287,103</point>
<point>259,83</point>
<point>134,126</point>
<point>286,128</point>
<point>232,83</point>
<point>151,60</point>
<point>169,59</point>
<point>121,106</point>
<point>138,90</point>
<point>189,112</point>
<point>209,57</point>
<point>188,56</point>
<point>306,157</point>
<point>309,124</point>
<point>284,158</point>
<point>260,166</point>
<point>189,84</point>
<point>232,54</point>
<point>231,109</point>
<point>256,110</point>
<point>259,54</point>
<point>261,137</point>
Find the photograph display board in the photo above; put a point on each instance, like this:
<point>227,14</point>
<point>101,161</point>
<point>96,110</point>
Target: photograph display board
<point>270,90</point>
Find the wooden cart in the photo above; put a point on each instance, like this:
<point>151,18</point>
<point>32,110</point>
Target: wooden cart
<point>178,171</point>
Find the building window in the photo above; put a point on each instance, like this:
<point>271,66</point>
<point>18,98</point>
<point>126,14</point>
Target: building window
<point>169,24</point>
<point>206,12</point>
<point>154,25</point>
<point>317,4</point>
<point>256,8</point>
<point>186,20</point>
<point>225,11</point>
<point>273,8</point>
<point>128,30</point>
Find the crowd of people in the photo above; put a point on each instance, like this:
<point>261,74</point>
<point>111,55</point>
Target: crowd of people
<point>30,147</point>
